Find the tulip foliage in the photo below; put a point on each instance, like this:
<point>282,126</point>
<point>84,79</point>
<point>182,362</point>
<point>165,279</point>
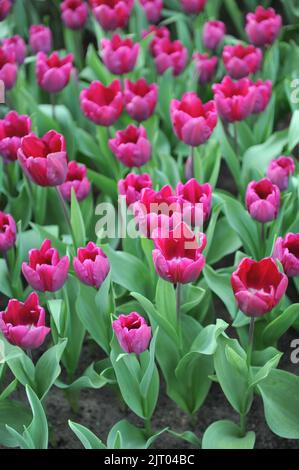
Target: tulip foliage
<point>179,118</point>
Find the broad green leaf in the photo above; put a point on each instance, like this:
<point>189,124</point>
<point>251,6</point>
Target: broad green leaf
<point>276,328</point>
<point>88,439</point>
<point>227,435</point>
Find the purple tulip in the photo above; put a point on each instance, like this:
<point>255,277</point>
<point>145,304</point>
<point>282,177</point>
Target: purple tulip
<point>40,38</point>
<point>205,67</point>
<point>153,9</point>
<point>286,250</point>
<point>131,146</point>
<point>77,180</point>
<point>213,34</point>
<point>17,46</point>
<point>132,333</point>
<point>132,185</point>
<point>102,104</point>
<point>279,171</point>
<point>263,26</point>
<point>262,200</point>
<point>263,95</point>
<point>8,231</point>
<point>91,265</point>
<point>140,99</point>
<point>241,61</point>
<point>12,128</point>
<point>196,200</point>
<point>119,55</point>
<point>8,68</point>
<point>53,73</point>
<point>74,13</point>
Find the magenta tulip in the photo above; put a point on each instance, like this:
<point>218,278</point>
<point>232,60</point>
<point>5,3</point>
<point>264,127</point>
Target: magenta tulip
<point>131,186</point>
<point>170,54</point>
<point>91,265</point>
<point>205,67</point>
<point>102,105</point>
<point>153,9</point>
<point>140,99</point>
<point>40,38</point>
<point>112,14</point>
<point>119,55</point>
<point>241,61</point>
<point>132,333</point>
<point>77,180</point>
<point>263,26</point>
<point>5,7</point>
<point>17,46</point>
<point>262,200</point>
<point>193,6</point>
<point>263,95</point>
<point>286,250</point>
<point>8,68</point>
<point>279,171</point>
<point>213,34</point>
<point>131,146</point>
<point>12,128</point>
<point>74,13</point>
<point>158,33</point>
<point>196,200</point>
<point>52,73</point>
<point>8,231</point>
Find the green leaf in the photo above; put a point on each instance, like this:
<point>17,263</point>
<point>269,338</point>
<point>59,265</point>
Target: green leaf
<point>48,369</point>
<point>227,435</point>
<point>277,327</point>
<point>263,372</point>
<point>220,284</point>
<point>225,241</point>
<point>38,428</point>
<point>293,137</point>
<point>77,223</point>
<point>5,286</point>
<point>88,439</point>
<point>15,415</point>
<point>165,300</point>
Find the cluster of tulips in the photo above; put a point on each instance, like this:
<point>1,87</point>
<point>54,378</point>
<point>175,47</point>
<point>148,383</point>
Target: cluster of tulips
<point>144,302</point>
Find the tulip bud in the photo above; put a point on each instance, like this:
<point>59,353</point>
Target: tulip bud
<point>5,7</point>
<point>74,13</point>
<point>46,271</point>
<point>53,73</point>
<point>286,250</point>
<point>205,67</point>
<point>112,14</point>
<point>77,180</point>
<point>213,34</point>
<point>131,146</point>
<point>132,333</point>
<point>241,61</point>
<point>44,159</point>
<point>8,231</point>
<point>263,26</point>
<point>132,185</point>
<point>23,324</point>
<point>279,171</point>
<point>12,128</point>
<point>40,38</point>
<point>262,200</point>
<point>8,68</point>
<point>102,105</point>
<point>119,55</point>
<point>17,46</point>
<point>258,286</point>
<point>140,99</point>
<point>91,265</point>
<point>170,54</point>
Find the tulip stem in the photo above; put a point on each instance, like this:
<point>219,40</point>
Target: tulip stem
<point>243,424</point>
<point>53,102</point>
<point>193,163</point>
<point>178,302</point>
<point>250,341</point>
<point>148,427</point>
<point>236,140</point>
<point>65,211</point>
<point>29,354</point>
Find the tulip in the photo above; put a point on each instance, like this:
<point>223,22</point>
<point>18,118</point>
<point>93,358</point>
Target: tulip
<point>241,61</point>
<point>262,200</point>
<point>131,146</point>
<point>205,67</point>
<point>193,6</point>
<point>77,180</point>
<point>132,185</point>
<point>102,105</point>
<point>44,159</point>
<point>193,122</point>
<point>279,171</point>
<point>213,34</point>
<point>8,231</point>
<point>157,33</point>
<point>119,55</point>
<point>53,73</point>
<point>40,38</point>
<point>112,14</point>
<point>263,26</point>
<point>153,9</point>
<point>74,13</point>
<point>5,7</point>
<point>132,333</point>
<point>23,324</point>
<point>286,250</point>
<point>178,258</point>
<point>235,101</point>
<point>140,99</point>
<point>170,54</point>
<point>46,271</point>
<point>91,265</point>
<point>17,46</point>
<point>258,286</point>
<point>197,200</point>
<point>12,128</point>
<point>263,95</point>
<point>8,68</point>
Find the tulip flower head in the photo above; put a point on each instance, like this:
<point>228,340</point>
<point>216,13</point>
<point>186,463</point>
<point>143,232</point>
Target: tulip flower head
<point>140,99</point>
<point>263,95</point>
<point>17,46</point>
<point>262,200</point>
<point>170,54</point>
<point>74,13</point>
<point>40,38</point>
<point>5,7</point>
<point>46,271</point>
<point>112,14</point>
<point>241,61</point>
<point>213,34</point>
<point>91,265</point>
<point>196,200</point>
<point>131,146</point>
<point>152,9</point>
<point>258,286</point>
<point>44,159</point>
<point>193,122</point>
<point>119,55</point>
<point>263,26</point>
<point>132,185</point>
<point>193,6</point>
<point>102,104</point>
<point>77,180</point>
<point>157,33</point>
<point>286,250</point>
<point>53,73</point>
<point>23,324</point>
<point>205,67</point>
<point>12,128</point>
<point>132,333</point>
<point>8,67</point>
<point>280,170</point>
<point>8,231</point>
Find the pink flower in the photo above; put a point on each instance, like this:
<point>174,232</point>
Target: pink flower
<point>46,271</point>
<point>40,38</point>
<point>131,146</point>
<point>193,121</point>
<point>286,250</point>
<point>17,46</point>
<point>132,185</point>
<point>5,7</point>
<point>178,258</point>
<point>258,286</point>
<point>262,200</point>
<point>153,9</point>
<point>205,67</point>
<point>235,101</point>
<point>8,231</point>
<point>8,68</point>
<point>213,34</point>
<point>44,159</point>
<point>119,55</point>
<point>91,265</point>
<point>263,95</point>
<point>170,54</point>
<point>241,61</point>
<point>53,73</point>
<point>140,99</point>
<point>112,14</point>
<point>23,324</point>
<point>132,333</point>
<point>77,180</point>
<point>102,105</point>
<point>157,33</point>
<point>74,13</point>
<point>279,171</point>
<point>196,200</point>
<point>263,26</point>
<point>193,6</point>
<point>12,128</point>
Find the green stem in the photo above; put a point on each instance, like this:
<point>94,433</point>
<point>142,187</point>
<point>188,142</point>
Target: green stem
<point>236,144</point>
<point>53,102</point>
<point>178,302</point>
<point>148,427</point>
<point>250,341</point>
<point>243,424</point>
<point>193,161</point>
